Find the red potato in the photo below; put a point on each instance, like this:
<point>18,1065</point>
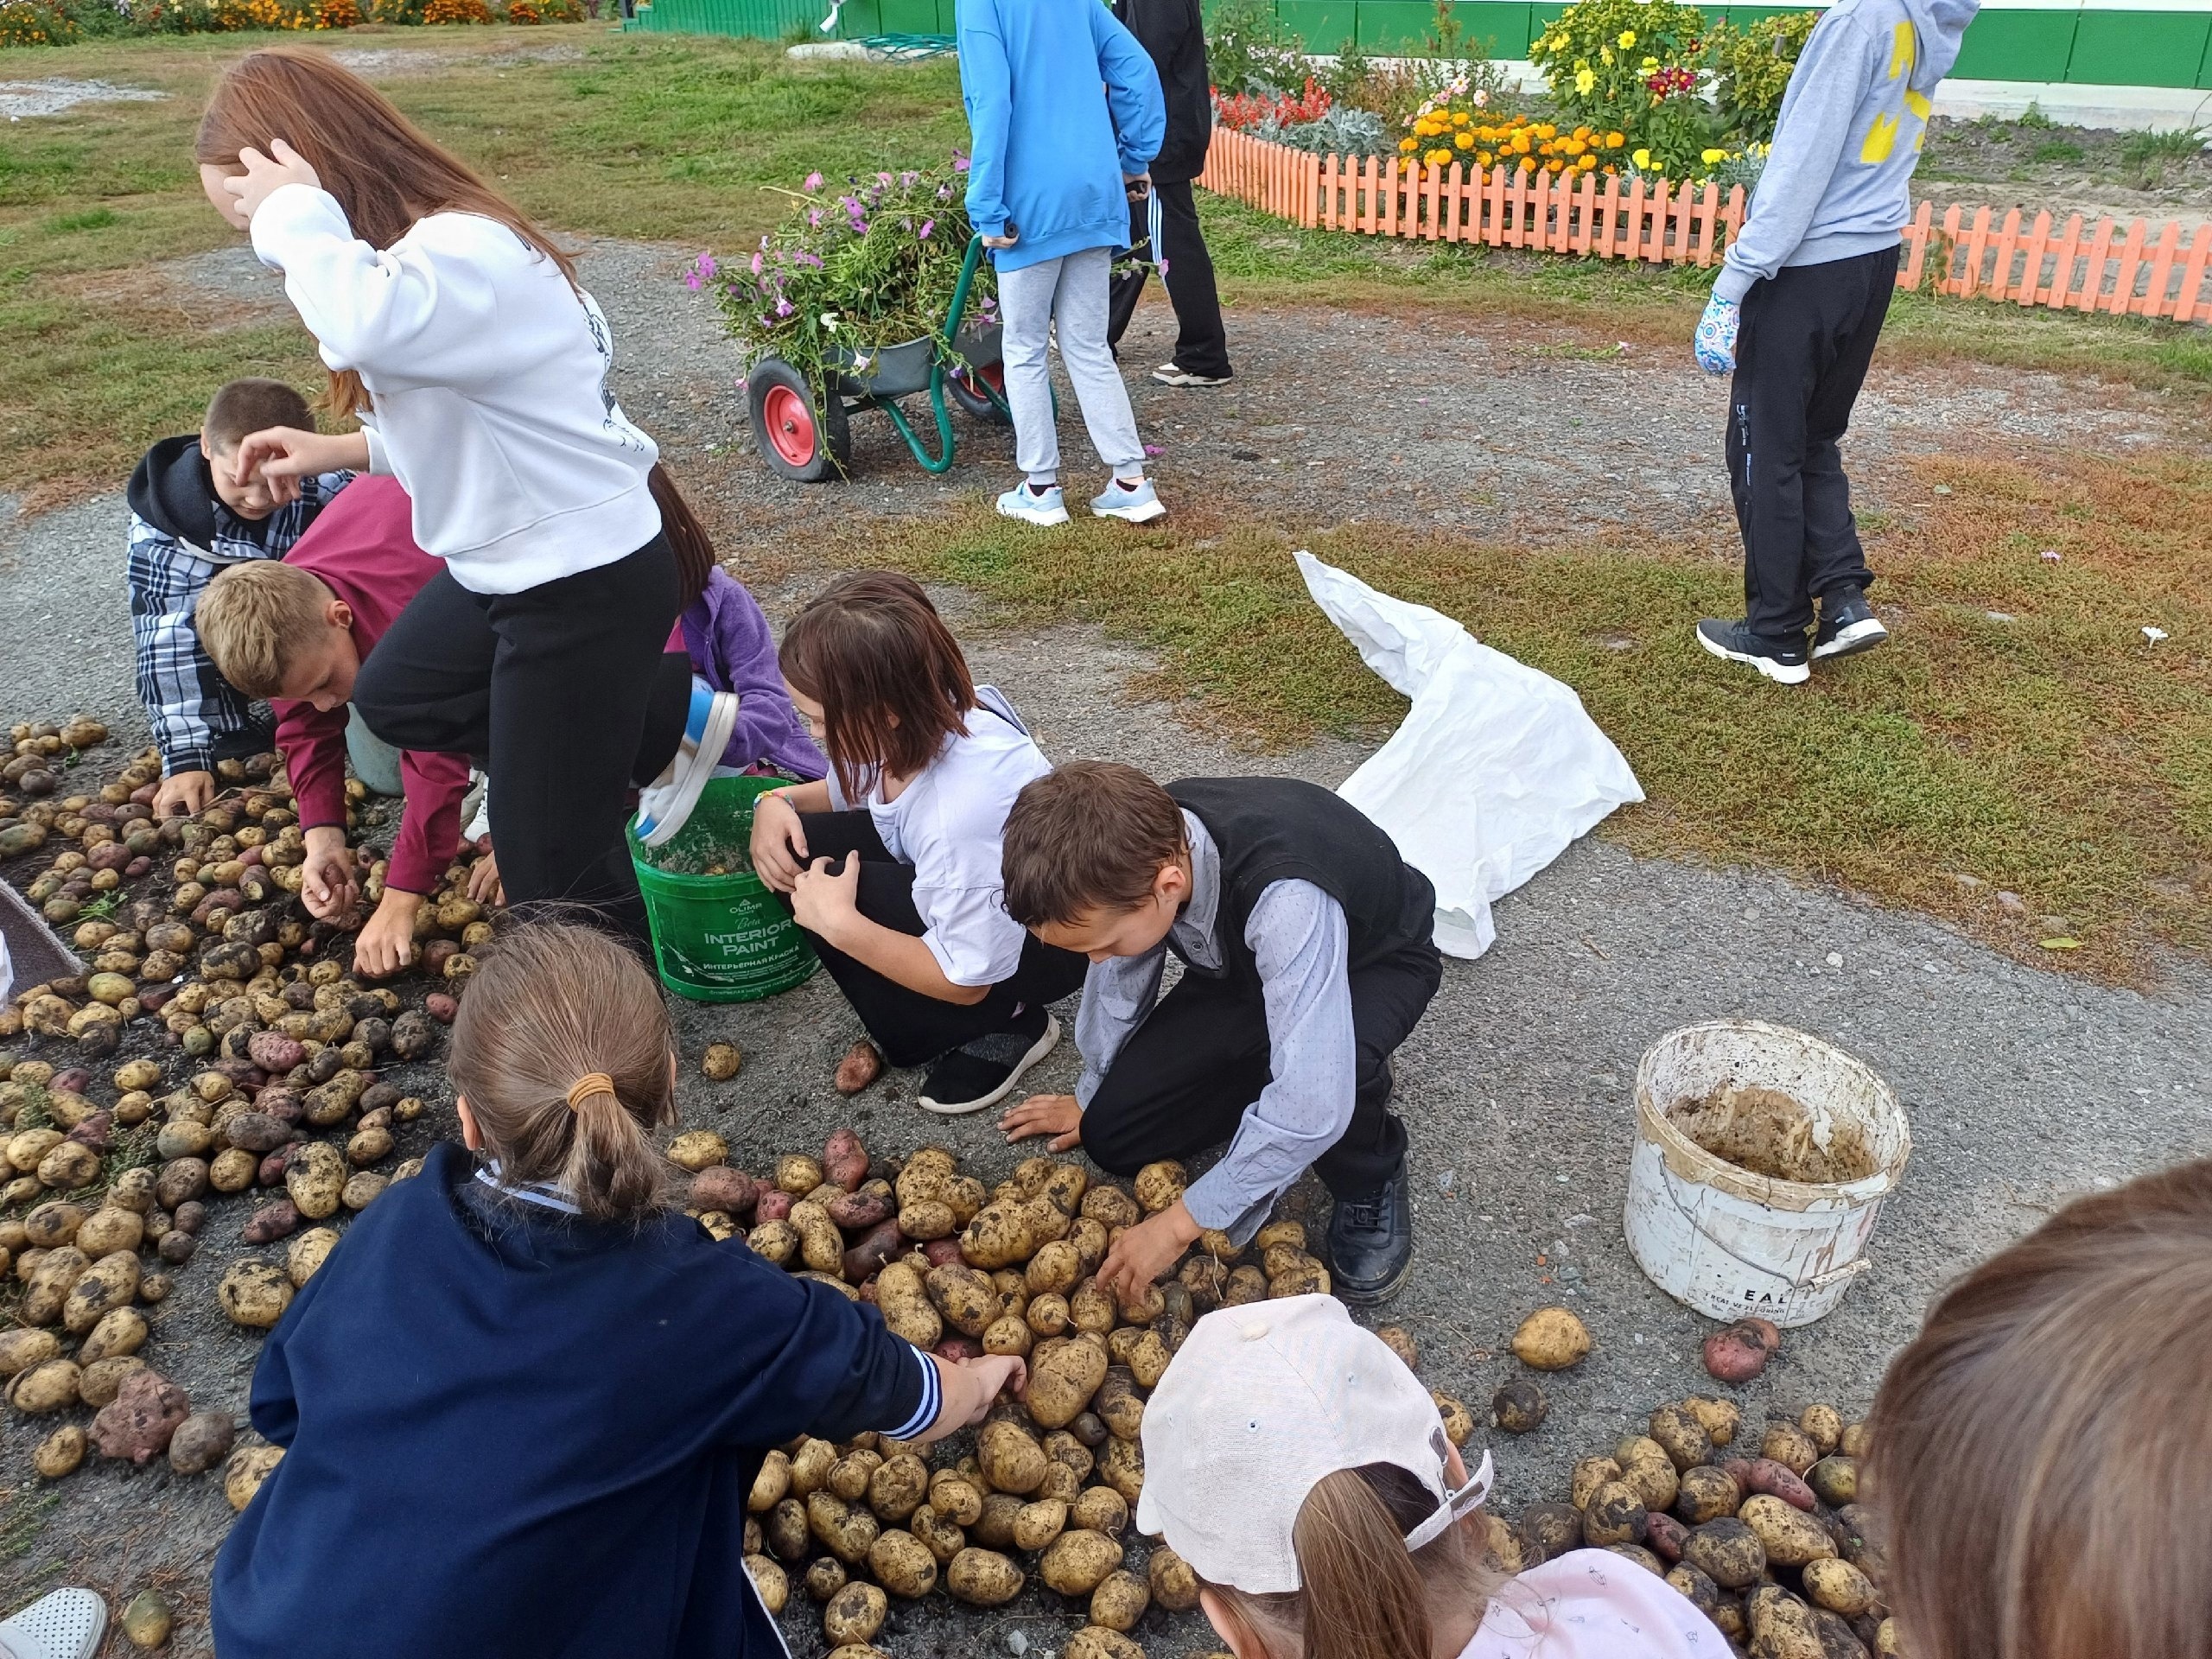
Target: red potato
<point>1756,1475</point>
<point>861,1066</point>
<point>773,1206</point>
<point>1665,1536</point>
<point>943,1252</point>
<point>861,1212</point>
<point>1738,1353</point>
<point>844,1160</point>
<point>270,1222</point>
<point>718,1187</point>
<point>440,1007</point>
<point>139,1423</point>
<point>958,1347</point>
<point>881,1243</point>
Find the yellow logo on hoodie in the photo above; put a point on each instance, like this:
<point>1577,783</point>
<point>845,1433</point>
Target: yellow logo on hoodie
<point>1882,137</point>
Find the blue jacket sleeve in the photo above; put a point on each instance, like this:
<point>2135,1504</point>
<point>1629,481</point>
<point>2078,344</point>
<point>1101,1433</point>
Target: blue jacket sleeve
<point>1133,92</point>
<point>987,90</point>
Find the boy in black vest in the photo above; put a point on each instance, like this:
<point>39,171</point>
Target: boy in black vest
<point>1308,959</point>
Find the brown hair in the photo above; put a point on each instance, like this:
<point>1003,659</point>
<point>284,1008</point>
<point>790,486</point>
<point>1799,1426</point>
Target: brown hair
<point>552,1002</point>
<point>687,536</point>
<point>252,405</point>
<point>1091,835</point>
<point>256,617</point>
<point>1363,1594</point>
<point>383,172</point>
<point>2041,1449</point>
<point>871,649</point>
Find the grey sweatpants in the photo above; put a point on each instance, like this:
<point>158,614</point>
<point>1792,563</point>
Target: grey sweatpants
<point>1070,291</point>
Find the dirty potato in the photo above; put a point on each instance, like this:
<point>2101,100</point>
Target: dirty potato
<point>1790,1536</point>
<point>1101,1509</point>
<point>1061,1384</point>
<point>855,1615</point>
<point>50,1385</point>
<point>1518,1406</point>
<point>1011,1460</point>
<point>1548,1531</point>
<point>1823,1425</point>
<point>1096,1642</point>
<point>906,1307</point>
<point>1720,1418</point>
<point>110,1283</point>
<point>897,1488</point>
<point>966,1299</point>
<point>903,1565</point>
<point>249,1466</point>
<point>838,1527</point>
<point>1122,1467</point>
<point>1458,1421</point>
<point>60,1453</point>
<point>120,1332</point>
<point>1839,1587</point>
<point>1173,1583</point>
<point>943,1537</point>
<point>1834,1480</point>
<point>1789,1445</point>
<point>1120,1600</point>
<point>772,1485</point>
<point>255,1294</point>
<point>982,1578</point>
<point>1706,1494</point>
<point>1681,1434</point>
<point>957,1498</point>
<point>1614,1515</point>
<point>1551,1340</point>
<point>1077,1562</point>
<point>1726,1551</point>
<point>1158,1185</point>
<point>1037,1524</point>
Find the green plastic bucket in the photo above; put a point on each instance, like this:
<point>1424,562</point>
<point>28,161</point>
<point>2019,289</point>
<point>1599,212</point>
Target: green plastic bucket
<point>719,938</point>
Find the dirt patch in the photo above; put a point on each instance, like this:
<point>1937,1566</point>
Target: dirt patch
<point>20,99</point>
<point>406,62</point>
<point>1771,1134</point>
<point>2093,171</point>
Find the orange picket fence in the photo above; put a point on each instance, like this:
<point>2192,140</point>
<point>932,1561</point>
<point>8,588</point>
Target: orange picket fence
<point>2135,270</point>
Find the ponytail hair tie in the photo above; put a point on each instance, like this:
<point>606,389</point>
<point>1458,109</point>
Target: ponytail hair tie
<point>591,1083</point>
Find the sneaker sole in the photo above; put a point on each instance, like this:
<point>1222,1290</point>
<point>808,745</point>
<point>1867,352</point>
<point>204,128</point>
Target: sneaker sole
<point>1780,673</point>
<point>1037,1051</point>
<point>1849,642</point>
<point>1200,380</point>
<point>1055,515</point>
<point>1143,515</point>
<point>1383,1294</point>
<point>722,719</point>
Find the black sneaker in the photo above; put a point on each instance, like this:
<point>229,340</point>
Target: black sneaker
<point>1783,661</point>
<point>983,1072</point>
<point>1848,625</point>
<point>1371,1243</point>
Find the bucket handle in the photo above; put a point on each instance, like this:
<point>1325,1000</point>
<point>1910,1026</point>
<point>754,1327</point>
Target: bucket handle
<point>1850,1269</point>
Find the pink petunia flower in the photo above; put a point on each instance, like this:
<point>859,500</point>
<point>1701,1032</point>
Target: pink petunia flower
<point>928,224</point>
<point>813,182</point>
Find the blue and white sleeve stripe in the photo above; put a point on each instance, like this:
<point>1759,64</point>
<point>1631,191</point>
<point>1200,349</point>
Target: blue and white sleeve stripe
<point>932,1401</point>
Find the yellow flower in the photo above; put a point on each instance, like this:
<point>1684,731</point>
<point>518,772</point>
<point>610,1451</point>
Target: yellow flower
<point>1407,146</point>
<point>1548,130</point>
<point>1465,141</point>
<point>1642,158</point>
<point>1605,56</point>
<point>1648,65</point>
<point>1437,157</point>
<point>1484,157</point>
<point>1711,156</point>
<point>1527,163</point>
<point>1615,140</point>
<point>1584,82</point>
<point>1461,119</point>
<point>1586,163</point>
<point>1628,39</point>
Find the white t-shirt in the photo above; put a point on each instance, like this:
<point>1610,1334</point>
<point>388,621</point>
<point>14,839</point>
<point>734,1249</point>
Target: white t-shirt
<point>950,824</point>
<point>1590,1603</point>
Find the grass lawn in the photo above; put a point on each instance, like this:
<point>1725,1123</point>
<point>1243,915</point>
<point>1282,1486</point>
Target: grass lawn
<point>2049,749</point>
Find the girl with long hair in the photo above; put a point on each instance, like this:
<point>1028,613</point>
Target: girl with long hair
<point>454,330</point>
<point>1302,1471</point>
<point>924,767</point>
<point>523,1400</point>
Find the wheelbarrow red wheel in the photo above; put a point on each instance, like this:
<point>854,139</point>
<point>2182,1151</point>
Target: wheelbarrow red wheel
<point>966,384</point>
<point>796,438</point>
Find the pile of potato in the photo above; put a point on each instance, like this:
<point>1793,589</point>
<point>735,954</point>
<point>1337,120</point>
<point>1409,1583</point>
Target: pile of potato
<point>961,1269</point>
<point>251,1068</point>
<point>1771,1543</point>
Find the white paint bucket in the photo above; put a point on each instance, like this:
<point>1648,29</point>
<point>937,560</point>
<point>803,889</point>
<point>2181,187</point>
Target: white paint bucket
<point>1729,1243</point>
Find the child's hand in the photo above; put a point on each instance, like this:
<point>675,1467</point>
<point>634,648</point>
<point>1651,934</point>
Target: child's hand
<point>1057,1116</point>
<point>327,886</point>
<point>266,174</point>
<point>184,794</point>
<point>1140,1255</point>
<point>971,1388</point>
<point>1139,185</point>
<point>1005,241</point>
<point>283,455</point>
<point>387,943</point>
<point>484,884</point>
<point>1715,342</point>
<point>825,901</point>
<point>778,844</point>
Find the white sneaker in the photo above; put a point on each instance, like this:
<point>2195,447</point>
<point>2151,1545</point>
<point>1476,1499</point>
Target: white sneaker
<point>665,805</point>
<point>61,1624</point>
<point>1023,503</point>
<point>1140,506</point>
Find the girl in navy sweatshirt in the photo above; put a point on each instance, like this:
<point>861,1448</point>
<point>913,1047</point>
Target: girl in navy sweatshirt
<point>522,1401</point>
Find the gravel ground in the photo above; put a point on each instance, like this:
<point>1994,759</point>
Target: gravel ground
<point>2024,1087</point>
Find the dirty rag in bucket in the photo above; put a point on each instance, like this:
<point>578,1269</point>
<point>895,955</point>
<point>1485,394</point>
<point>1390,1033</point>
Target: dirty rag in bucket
<point>1495,769</point>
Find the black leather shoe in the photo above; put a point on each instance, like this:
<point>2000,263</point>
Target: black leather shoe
<point>1371,1243</point>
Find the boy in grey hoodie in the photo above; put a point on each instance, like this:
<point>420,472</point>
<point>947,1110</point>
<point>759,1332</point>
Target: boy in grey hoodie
<point>1796,309</point>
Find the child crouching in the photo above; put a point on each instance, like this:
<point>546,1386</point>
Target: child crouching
<point>524,1399</point>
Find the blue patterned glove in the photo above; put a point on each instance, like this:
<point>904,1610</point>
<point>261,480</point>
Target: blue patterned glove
<point>1716,335</point>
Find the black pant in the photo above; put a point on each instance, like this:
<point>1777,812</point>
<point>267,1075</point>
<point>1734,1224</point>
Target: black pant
<point>1807,335</point>
<point>1201,343</point>
<point>913,1029</point>
<point>566,692</point>
<point>1181,1082</point>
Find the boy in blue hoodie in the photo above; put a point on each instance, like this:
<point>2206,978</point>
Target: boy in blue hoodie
<point>1066,113</point>
<point>1795,312</point>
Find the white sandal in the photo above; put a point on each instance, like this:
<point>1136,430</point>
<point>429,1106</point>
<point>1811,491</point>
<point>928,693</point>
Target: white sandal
<point>61,1624</point>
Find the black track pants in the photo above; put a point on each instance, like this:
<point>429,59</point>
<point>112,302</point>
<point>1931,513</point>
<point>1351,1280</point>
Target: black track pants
<point>1201,342</point>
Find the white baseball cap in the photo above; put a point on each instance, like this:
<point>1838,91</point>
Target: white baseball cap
<point>1262,1403</point>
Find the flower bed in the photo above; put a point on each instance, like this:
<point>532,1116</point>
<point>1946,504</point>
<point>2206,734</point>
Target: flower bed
<point>63,22</point>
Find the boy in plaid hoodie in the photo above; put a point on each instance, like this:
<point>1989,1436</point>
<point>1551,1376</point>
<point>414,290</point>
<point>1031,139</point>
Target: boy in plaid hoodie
<point>191,515</point>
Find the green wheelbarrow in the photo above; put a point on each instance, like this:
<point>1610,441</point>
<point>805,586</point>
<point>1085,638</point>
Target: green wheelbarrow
<point>808,440</point>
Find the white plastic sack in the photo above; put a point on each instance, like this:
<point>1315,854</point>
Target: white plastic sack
<point>1494,770</point>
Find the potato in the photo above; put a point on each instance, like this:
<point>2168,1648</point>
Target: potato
<point>1726,1551</point>
<point>1789,1445</point>
<point>771,1580</point>
<point>1047,1315</point>
<point>898,1487</point>
<point>1551,1340</point>
<point>777,1242</point>
<point>1054,1270</point>
<point>1888,1645</point>
<point>50,1385</point>
<point>255,1294</point>
<point>1077,1562</point>
<point>101,1380</point>
<point>1834,1480</point>
<point>1781,1626</point>
<point>1839,1587</point>
<point>70,1165</point>
<point>861,1066</point>
<point>22,1348</point>
<point>109,1283</point>
<point>1681,1434</point>
<point>1642,1557</point>
<point>869,1204</point>
<point>1588,1476</point>
<point>968,1300</point>
<point>786,1529</point>
<point>844,1160</point>
<point>826,1577</point>
<point>1648,1470</point>
<point>1095,1642</point>
<point>1790,1536</point>
<point>771,1485</point>
<point>1614,1515</point>
<point>1736,1354</point>
<point>307,1253</point>
<point>60,1453</point>
<point>1548,1531</point>
<point>1775,1479</point>
<point>982,1578</point>
<point>1037,1524</point>
<point>1720,1418</point>
<point>924,1219</point>
<point>1118,1406</point>
<point>1706,1494</point>
<point>1824,1425</point>
<point>811,1466</point>
<point>201,1441</point>
<point>53,1224</point>
<point>1246,1284</point>
<point>138,1423</point>
<point>905,1305</point>
<point>314,1179</point>
<point>47,1291</point>
<point>1170,1580</point>
<point>1091,1308</point>
<point>844,1531</point>
<point>1011,1460</point>
<point>1458,1421</point>
<point>796,1173</point>
<point>1122,1467</point>
<point>1001,1234</point>
<point>849,1475</point>
<point>1120,1600</point>
<point>821,1246</point>
<point>1158,1185</point>
<point>957,1496</point>
<point>1062,1383</point>
<point>943,1536</point>
<point>855,1614</point>
<point>1664,1535</point>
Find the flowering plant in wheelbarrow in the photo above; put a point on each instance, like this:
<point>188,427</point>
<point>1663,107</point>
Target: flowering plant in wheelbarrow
<point>851,299</point>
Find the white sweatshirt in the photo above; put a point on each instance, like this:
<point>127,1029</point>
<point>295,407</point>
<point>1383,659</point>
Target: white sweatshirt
<point>489,376</point>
